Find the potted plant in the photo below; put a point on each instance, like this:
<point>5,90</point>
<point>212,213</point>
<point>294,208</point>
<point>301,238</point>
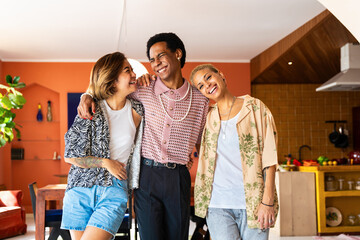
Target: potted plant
<point>10,99</point>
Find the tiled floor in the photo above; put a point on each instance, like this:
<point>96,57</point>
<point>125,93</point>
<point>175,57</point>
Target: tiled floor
<point>30,235</point>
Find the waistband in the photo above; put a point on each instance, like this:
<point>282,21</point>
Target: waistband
<point>152,163</point>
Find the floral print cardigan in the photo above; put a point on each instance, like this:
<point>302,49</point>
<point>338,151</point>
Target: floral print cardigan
<point>258,148</point>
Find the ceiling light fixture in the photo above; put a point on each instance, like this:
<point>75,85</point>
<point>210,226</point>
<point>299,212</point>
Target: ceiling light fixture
<point>290,63</point>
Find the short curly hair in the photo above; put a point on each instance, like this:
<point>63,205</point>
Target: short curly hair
<point>173,42</point>
<point>105,73</point>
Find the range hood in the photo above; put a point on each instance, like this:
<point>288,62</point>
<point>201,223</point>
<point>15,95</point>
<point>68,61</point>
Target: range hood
<point>349,77</point>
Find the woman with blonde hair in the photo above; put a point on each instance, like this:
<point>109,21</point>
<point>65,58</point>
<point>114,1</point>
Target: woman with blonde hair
<point>96,196</point>
<point>235,180</point>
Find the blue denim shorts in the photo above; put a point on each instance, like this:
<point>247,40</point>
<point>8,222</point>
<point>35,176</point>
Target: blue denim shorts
<point>101,207</point>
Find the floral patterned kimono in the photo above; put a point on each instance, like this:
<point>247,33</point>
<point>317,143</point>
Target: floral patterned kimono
<point>258,148</point>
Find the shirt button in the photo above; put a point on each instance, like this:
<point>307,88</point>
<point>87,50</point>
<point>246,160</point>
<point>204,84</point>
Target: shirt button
<point>171,92</point>
<point>168,125</point>
<point>164,141</point>
<point>171,108</point>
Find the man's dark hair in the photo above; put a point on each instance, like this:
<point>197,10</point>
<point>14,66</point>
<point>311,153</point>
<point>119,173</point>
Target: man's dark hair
<point>173,42</point>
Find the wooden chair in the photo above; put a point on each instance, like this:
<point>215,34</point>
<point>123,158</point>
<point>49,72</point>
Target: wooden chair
<point>52,217</point>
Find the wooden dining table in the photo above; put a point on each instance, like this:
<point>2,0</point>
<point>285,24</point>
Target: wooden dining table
<point>49,192</point>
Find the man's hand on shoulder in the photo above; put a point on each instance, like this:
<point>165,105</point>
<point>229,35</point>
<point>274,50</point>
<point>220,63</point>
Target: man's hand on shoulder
<point>86,106</point>
<point>145,79</point>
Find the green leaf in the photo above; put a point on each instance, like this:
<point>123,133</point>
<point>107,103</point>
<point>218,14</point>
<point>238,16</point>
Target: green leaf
<point>4,87</point>
<point>18,134</point>
<point>16,79</point>
<point>10,115</point>
<point>10,124</point>
<point>20,85</point>
<point>17,99</point>
<point>8,79</point>
<point>2,141</point>
<point>6,103</point>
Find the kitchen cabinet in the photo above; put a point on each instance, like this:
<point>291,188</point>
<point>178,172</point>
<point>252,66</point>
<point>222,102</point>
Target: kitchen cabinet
<point>346,201</point>
<point>297,203</point>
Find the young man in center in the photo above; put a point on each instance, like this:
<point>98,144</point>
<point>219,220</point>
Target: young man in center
<point>175,114</point>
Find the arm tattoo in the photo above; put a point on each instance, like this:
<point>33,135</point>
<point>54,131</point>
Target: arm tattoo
<point>89,162</point>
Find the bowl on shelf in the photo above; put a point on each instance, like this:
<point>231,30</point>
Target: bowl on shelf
<point>333,216</point>
<point>287,168</point>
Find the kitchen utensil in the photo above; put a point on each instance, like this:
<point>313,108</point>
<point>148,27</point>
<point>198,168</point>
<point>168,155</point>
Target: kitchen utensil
<point>357,187</point>
<point>342,139</point>
<point>333,216</point>
<point>330,183</point>
<point>333,137</point>
<point>341,183</point>
<point>351,184</point>
<point>351,220</point>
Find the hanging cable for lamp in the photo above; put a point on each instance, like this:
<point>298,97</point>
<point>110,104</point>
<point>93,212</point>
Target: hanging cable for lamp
<point>122,27</point>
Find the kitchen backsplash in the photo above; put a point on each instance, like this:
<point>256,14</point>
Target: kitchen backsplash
<point>300,114</point>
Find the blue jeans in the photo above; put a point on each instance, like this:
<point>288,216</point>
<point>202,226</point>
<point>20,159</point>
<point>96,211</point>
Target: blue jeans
<point>231,224</point>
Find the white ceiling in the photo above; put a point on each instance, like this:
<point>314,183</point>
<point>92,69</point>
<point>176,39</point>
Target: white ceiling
<point>84,30</point>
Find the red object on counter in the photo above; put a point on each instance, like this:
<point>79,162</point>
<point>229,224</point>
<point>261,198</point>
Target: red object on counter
<point>296,162</point>
<point>355,155</point>
<point>12,214</point>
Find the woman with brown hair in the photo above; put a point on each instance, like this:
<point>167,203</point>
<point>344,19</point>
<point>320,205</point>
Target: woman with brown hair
<point>96,196</point>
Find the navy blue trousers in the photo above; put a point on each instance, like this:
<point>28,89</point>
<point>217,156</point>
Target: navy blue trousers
<point>162,203</point>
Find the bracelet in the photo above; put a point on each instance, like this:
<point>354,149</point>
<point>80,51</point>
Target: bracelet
<point>86,93</point>
<point>267,204</point>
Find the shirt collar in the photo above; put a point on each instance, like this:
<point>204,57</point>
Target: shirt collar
<point>160,88</point>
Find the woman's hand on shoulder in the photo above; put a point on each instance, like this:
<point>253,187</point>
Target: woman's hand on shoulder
<point>266,216</point>
<point>83,109</point>
<point>145,79</point>
<point>116,168</point>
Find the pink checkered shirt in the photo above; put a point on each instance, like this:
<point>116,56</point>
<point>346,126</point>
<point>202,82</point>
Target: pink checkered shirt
<point>165,140</point>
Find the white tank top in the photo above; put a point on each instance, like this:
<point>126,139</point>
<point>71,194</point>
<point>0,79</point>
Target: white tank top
<point>228,186</point>
<point>122,131</point>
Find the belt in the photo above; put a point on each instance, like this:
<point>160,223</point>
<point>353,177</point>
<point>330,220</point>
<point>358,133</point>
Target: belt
<point>152,163</point>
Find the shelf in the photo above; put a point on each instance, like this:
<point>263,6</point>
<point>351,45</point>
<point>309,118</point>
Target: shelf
<point>338,168</point>
<point>342,229</point>
<point>349,193</point>
<point>346,201</point>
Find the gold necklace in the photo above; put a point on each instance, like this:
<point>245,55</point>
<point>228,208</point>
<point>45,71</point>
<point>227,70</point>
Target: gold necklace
<point>224,132</point>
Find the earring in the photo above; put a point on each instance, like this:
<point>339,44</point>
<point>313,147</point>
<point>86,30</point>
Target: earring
<point>178,59</point>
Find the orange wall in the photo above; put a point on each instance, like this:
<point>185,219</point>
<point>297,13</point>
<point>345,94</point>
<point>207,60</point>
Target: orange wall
<point>62,78</point>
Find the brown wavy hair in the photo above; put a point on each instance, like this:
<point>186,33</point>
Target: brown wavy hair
<point>105,73</point>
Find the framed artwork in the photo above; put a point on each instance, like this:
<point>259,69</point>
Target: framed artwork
<point>73,102</point>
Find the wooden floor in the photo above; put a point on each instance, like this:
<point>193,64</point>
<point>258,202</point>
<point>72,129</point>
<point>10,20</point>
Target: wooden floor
<point>30,235</point>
